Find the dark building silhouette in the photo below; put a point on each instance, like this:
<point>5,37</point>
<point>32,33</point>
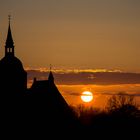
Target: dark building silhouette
<point>48,89</point>
<point>42,102</point>
<point>49,102</point>
<point>13,77</point>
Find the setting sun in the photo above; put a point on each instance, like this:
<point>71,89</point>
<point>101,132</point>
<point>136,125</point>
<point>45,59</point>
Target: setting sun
<point>87,96</point>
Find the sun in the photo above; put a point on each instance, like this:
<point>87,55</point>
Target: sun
<point>87,96</point>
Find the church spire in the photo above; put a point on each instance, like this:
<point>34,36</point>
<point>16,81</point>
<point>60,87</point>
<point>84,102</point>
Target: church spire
<point>9,47</point>
<point>51,78</point>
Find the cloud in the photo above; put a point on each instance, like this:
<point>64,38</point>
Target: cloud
<point>122,93</point>
<point>86,77</point>
<point>74,93</point>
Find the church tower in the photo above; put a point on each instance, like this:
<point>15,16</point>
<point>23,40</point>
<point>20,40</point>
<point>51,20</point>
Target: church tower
<point>13,77</point>
<point>9,46</point>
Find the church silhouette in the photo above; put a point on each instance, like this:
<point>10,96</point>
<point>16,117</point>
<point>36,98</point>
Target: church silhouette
<point>12,74</point>
<point>42,102</point>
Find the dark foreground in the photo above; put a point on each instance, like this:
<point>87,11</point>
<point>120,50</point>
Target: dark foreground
<point>31,118</point>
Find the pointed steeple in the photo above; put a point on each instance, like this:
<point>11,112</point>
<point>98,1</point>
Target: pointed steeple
<point>51,78</point>
<point>9,47</point>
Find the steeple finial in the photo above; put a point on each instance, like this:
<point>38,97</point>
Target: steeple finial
<point>50,67</point>
<point>9,18</point>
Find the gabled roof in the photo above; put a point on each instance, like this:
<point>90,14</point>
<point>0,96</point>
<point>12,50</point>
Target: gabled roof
<point>47,89</point>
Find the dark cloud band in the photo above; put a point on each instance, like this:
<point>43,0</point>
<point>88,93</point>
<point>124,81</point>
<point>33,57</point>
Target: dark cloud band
<point>85,78</point>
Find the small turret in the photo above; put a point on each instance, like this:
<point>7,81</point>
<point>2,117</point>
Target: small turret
<point>51,78</point>
<point>9,45</point>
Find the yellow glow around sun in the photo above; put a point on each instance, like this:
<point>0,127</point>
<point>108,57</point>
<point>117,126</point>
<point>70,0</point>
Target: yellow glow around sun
<point>87,96</point>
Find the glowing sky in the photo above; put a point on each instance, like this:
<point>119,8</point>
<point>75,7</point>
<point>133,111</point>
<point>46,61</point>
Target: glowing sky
<point>74,33</point>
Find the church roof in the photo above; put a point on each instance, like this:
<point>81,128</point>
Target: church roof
<point>10,62</point>
<point>48,90</point>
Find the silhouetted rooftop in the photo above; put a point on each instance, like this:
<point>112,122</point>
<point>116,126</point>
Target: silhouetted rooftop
<point>11,62</point>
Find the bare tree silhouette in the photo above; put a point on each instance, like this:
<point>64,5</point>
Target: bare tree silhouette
<point>122,104</point>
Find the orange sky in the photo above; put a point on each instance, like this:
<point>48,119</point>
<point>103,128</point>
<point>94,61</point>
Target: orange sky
<point>98,34</point>
<point>101,93</point>
<point>102,83</point>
